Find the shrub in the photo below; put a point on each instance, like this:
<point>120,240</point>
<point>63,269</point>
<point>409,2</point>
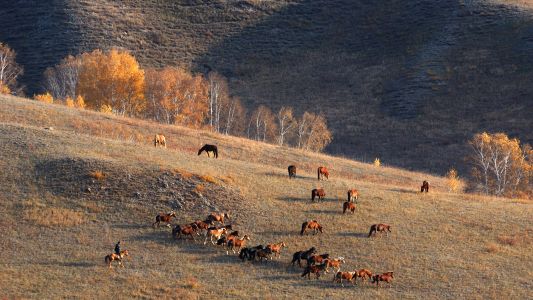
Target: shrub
<point>4,89</point>
<point>106,109</point>
<point>69,102</point>
<point>209,178</point>
<point>98,175</point>
<point>377,162</point>
<point>454,183</point>
<point>46,98</point>
<point>199,188</point>
<point>80,102</point>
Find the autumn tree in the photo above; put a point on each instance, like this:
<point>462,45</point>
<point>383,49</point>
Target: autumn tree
<point>176,96</point>
<point>112,78</point>
<point>218,99</point>
<point>286,123</point>
<point>500,165</point>
<point>9,70</point>
<point>312,132</point>
<point>61,80</point>
<point>262,125</point>
<point>233,119</point>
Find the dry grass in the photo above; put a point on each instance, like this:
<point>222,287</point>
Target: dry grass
<point>61,217</point>
<point>209,178</point>
<point>98,175</point>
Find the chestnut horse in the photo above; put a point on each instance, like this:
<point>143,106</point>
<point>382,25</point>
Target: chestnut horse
<point>164,218</point>
<point>237,243</point>
<point>348,205</point>
<point>113,256</point>
<point>317,259</point>
<point>364,274</point>
<point>160,140</point>
<point>209,148</point>
<point>313,224</point>
<point>292,171</point>
<point>386,277</point>
<point>320,193</point>
<point>353,194</point>
<point>217,217</point>
<point>322,172</point>
<point>340,276</point>
<point>424,187</point>
<point>379,228</point>
<point>276,248</point>
<point>302,255</point>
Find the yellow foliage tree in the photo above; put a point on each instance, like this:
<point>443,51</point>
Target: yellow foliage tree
<point>80,102</point>
<point>452,180</point>
<point>106,109</point>
<point>4,89</point>
<point>69,102</point>
<point>113,78</point>
<point>46,98</point>
<point>377,162</point>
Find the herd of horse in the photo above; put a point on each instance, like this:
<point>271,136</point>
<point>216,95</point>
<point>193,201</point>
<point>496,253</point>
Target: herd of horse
<point>215,230</point>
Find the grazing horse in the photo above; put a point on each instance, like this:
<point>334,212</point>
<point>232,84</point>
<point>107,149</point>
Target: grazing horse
<point>164,218</point>
<point>379,228</point>
<point>292,171</point>
<point>340,276</point>
<point>364,274</point>
<point>217,217</point>
<point>302,255</point>
<point>322,172</point>
<point>334,263</point>
<point>424,187</point>
<point>113,256</point>
<point>209,148</point>
<point>160,140</point>
<point>320,193</point>
<point>214,234</point>
<point>386,277</point>
<point>276,248</point>
<point>353,194</point>
<point>317,259</point>
<point>237,243</point>
<point>313,224</point>
<point>348,206</point>
<point>315,269</point>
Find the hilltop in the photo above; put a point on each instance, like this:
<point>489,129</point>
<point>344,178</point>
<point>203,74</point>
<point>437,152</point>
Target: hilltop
<point>59,219</point>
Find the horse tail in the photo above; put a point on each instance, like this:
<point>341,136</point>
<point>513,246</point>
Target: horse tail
<point>107,259</point>
<point>318,173</point>
<point>344,207</point>
<point>304,225</point>
<point>372,228</point>
<point>313,195</point>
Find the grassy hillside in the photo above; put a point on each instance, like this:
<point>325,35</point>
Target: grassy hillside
<point>56,232</point>
<point>407,81</point>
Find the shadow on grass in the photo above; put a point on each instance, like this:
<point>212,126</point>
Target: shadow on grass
<point>132,226</point>
<point>298,177</point>
<point>359,235</point>
<point>294,199</point>
<point>328,212</point>
<point>401,190</point>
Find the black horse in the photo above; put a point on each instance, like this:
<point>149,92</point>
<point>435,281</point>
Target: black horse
<point>292,171</point>
<point>302,255</point>
<point>209,148</point>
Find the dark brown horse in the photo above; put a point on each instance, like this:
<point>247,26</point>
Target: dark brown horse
<point>302,255</point>
<point>292,171</point>
<point>160,140</point>
<point>313,224</point>
<point>424,187</point>
<point>320,193</point>
<point>379,228</point>
<point>209,148</point>
<point>348,206</point>
<point>322,172</point>
<point>315,269</point>
<point>353,194</point>
<point>317,259</point>
<point>166,218</point>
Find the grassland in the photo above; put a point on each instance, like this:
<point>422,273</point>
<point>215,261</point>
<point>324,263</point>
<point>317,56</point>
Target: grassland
<point>67,193</point>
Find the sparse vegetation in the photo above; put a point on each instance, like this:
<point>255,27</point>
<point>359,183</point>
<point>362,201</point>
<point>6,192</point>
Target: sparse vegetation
<point>45,98</point>
<point>98,175</point>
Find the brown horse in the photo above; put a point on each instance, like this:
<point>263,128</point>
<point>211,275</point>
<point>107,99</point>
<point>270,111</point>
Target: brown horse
<point>202,225</point>
<point>334,263</point>
<point>348,206</point>
<point>313,224</point>
<point>424,187</point>
<point>379,228</point>
<point>276,248</point>
<point>340,276</point>
<point>113,256</point>
<point>317,259</point>
<point>292,171</point>
<point>164,218</point>
<point>237,243</point>
<point>322,172</point>
<point>209,148</point>
<point>160,140</point>
<point>315,269</point>
<point>364,274</point>
<point>385,277</point>
<point>217,217</point>
<point>320,193</point>
<point>353,194</point>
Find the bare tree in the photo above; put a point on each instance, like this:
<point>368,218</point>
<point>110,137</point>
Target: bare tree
<point>218,99</point>
<point>62,79</point>
<point>234,117</point>
<point>262,124</point>
<point>285,123</point>
<point>9,69</point>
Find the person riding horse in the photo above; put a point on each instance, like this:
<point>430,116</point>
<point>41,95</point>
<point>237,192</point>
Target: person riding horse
<point>117,248</point>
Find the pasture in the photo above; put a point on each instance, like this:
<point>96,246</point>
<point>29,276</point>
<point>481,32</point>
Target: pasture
<point>59,219</point>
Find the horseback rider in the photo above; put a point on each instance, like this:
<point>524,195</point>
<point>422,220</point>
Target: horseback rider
<point>117,248</point>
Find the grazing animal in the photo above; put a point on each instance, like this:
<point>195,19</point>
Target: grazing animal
<point>320,193</point>
<point>217,217</point>
<point>313,224</point>
<point>348,206</point>
<point>386,277</point>
<point>164,218</point>
<point>353,194</point>
<point>209,148</point>
<point>214,234</point>
<point>424,187</point>
<point>340,276</point>
<point>160,140</point>
<point>276,248</point>
<point>317,259</point>
<point>315,269</point>
<point>302,255</point>
<point>237,243</point>
<point>115,257</point>
<point>374,229</point>
<point>364,274</point>
<point>334,263</point>
<point>292,171</point>
<point>322,172</point>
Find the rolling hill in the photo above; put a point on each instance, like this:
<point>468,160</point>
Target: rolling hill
<point>407,81</point>
<point>59,219</point>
